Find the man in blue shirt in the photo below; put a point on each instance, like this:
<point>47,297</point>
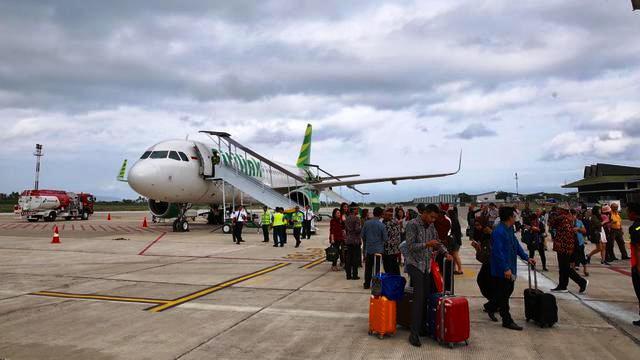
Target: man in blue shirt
<point>505,249</point>
<point>579,255</point>
<point>374,234</point>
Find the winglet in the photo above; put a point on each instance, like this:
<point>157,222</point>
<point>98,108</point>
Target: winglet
<point>123,171</point>
<point>459,163</point>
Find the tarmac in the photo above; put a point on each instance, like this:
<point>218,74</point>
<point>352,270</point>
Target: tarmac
<point>113,290</point>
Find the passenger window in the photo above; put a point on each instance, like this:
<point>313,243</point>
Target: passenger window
<point>159,155</point>
<point>174,155</point>
<point>145,155</point>
<point>183,156</point>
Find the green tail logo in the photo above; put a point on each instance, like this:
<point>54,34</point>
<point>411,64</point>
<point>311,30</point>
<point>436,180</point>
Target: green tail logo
<point>123,171</point>
<point>305,150</point>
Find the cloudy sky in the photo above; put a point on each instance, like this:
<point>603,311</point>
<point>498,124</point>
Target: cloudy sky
<point>538,87</point>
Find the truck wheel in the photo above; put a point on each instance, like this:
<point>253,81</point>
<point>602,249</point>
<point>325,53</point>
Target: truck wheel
<point>67,218</point>
<point>52,217</point>
<point>33,220</point>
<point>85,215</point>
<point>184,226</point>
<point>226,228</point>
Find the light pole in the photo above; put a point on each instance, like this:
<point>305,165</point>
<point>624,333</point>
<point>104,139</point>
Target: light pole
<point>38,154</point>
<point>517,190</point>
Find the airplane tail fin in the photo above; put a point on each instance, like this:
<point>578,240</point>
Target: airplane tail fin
<point>305,150</point>
<point>123,171</point>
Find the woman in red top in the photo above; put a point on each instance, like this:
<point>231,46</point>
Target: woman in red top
<point>337,234</point>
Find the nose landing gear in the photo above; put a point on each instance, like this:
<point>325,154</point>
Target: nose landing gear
<point>181,224</point>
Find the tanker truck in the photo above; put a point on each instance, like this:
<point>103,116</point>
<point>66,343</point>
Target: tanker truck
<point>49,205</point>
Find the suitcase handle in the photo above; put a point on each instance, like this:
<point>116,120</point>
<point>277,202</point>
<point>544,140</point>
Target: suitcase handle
<point>535,276</point>
<point>451,275</point>
<point>377,264</point>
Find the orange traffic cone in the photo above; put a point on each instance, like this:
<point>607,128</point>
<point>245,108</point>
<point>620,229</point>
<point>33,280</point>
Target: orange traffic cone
<point>109,216</point>
<point>56,236</point>
<point>144,223</point>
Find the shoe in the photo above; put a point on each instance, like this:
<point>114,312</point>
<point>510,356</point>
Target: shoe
<point>584,288</point>
<point>356,278</point>
<point>614,259</point>
<point>366,287</point>
<point>415,340</point>
<point>558,290</point>
<point>241,240</point>
<point>276,245</point>
<point>545,269</point>
<point>606,263</point>
<point>626,258</point>
<point>636,323</point>
<point>458,273</point>
<point>349,278</point>
<point>512,326</point>
<point>492,316</point>
<point>266,241</point>
<point>281,245</point>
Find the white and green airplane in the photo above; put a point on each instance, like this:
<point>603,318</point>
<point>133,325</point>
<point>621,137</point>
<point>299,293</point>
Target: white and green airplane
<point>176,174</point>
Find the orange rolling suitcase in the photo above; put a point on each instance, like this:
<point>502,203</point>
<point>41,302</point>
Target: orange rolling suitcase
<point>382,312</point>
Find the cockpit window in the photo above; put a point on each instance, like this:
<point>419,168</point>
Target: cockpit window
<point>174,155</point>
<point>159,155</point>
<point>145,155</point>
<point>183,156</point>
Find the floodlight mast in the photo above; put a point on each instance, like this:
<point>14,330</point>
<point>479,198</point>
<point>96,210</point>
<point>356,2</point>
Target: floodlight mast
<point>38,154</point>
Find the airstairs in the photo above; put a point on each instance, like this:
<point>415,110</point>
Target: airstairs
<point>252,187</point>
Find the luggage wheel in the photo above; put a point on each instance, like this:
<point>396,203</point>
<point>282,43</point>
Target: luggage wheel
<point>370,333</point>
<point>466,342</point>
<point>450,345</point>
<point>381,336</point>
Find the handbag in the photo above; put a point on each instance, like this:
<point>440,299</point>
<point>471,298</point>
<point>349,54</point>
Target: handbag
<point>332,254</point>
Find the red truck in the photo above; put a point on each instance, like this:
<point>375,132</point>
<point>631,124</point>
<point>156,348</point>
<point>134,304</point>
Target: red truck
<point>49,205</point>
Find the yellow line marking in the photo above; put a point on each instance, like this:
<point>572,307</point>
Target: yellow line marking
<point>313,263</point>
<point>215,288</point>
<point>100,297</point>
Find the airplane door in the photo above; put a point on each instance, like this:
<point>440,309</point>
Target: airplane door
<point>204,154</point>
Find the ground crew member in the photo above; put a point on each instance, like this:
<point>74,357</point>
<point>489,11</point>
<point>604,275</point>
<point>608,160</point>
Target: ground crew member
<point>297,218</point>
<point>266,220</point>
<point>238,218</point>
<point>616,232</point>
<point>279,228</point>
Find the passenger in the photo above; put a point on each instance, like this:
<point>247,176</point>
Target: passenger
<point>297,217</point>
<point>633,211</point>
<point>374,235</point>
<point>238,218</point>
<point>442,225</point>
<point>308,218</point>
<point>482,244</point>
<point>422,246</point>
<point>597,236</point>
<point>353,241</point>
<point>526,216</point>
<point>471,220</point>
<point>505,249</point>
<point>564,244</point>
<point>456,240</point>
<point>337,234</point>
<point>279,228</point>
<point>364,216</point>
<point>493,213</point>
<point>265,222</point>
<point>344,210</point>
<point>532,235</point>
<point>617,235</point>
<point>401,220</point>
<point>391,246</point>
<point>580,230</point>
<point>605,215</point>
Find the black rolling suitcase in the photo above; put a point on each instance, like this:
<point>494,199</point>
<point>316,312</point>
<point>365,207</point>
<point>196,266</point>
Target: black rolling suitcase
<point>538,305</point>
<point>403,310</point>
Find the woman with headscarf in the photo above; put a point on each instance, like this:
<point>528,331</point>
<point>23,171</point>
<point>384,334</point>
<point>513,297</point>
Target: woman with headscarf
<point>337,235</point>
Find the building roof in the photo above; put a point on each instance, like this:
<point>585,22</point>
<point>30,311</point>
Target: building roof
<point>612,179</point>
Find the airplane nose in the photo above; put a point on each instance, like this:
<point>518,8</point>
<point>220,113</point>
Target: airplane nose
<point>142,178</point>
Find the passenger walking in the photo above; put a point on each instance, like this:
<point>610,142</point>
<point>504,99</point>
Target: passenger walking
<point>597,236</point>
<point>456,240</point>
<point>374,235</point>
<point>238,218</point>
<point>297,217</point>
<point>353,229</point>
<point>617,235</point>
<point>337,235</point>
<point>279,228</point>
<point>633,210</point>
<point>505,249</point>
<point>532,235</point>
<point>308,218</point>
<point>265,222</point>
<point>606,227</point>
<point>390,258</point>
<point>564,244</point>
<point>471,220</point>
<point>580,230</point>
<point>482,244</point>
<point>422,247</point>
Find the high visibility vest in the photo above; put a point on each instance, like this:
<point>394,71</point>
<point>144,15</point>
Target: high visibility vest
<point>266,218</point>
<point>278,219</point>
<point>297,218</point>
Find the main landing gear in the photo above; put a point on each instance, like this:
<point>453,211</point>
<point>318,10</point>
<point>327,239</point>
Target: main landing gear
<point>181,224</point>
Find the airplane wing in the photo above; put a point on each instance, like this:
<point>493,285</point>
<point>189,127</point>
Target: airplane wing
<point>392,180</point>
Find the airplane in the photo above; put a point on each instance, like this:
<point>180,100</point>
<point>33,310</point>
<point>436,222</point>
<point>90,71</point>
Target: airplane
<point>177,174</point>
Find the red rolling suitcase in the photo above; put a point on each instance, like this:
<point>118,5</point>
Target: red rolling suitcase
<point>453,325</point>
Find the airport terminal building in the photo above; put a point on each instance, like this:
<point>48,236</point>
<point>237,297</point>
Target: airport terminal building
<point>604,182</point>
